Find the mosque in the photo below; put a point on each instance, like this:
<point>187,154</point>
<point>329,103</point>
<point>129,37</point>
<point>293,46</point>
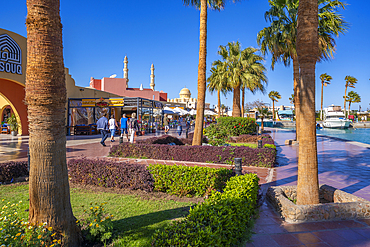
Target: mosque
<point>186,99</point>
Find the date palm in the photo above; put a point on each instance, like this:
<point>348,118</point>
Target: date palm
<point>202,66</point>
<point>49,195</point>
<point>352,97</point>
<point>350,82</point>
<point>325,80</point>
<point>263,113</point>
<point>245,70</point>
<point>280,37</point>
<point>274,96</point>
<point>217,81</point>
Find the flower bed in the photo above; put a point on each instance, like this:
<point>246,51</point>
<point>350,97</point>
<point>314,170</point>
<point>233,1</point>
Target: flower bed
<point>261,157</point>
<point>12,170</point>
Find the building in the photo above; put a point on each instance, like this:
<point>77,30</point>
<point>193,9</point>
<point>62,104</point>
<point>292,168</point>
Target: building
<point>185,98</point>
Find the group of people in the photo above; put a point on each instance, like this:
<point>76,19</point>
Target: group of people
<point>127,126</point>
<point>181,124</point>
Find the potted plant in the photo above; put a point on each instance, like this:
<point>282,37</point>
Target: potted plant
<point>13,124</point>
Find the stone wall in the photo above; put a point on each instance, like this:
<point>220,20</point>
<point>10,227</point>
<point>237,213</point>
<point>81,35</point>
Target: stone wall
<point>340,205</point>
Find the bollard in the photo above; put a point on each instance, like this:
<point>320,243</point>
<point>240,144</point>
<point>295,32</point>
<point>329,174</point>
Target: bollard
<point>28,159</point>
<point>120,139</point>
<point>259,143</point>
<point>238,166</point>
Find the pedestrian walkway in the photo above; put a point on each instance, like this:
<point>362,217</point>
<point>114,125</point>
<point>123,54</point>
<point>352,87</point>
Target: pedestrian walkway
<point>342,164</point>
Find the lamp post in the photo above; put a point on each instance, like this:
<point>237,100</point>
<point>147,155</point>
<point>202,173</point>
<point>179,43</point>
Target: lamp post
<point>238,166</point>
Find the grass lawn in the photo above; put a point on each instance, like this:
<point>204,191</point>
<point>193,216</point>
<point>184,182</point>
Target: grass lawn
<point>251,145</point>
<point>135,219</point>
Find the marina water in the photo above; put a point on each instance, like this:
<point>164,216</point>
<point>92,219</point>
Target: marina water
<point>352,134</point>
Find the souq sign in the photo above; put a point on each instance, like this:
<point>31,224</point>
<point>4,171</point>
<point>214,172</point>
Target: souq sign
<point>10,55</point>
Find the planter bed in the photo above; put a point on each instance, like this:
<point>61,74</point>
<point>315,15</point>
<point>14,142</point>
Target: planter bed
<point>334,205</point>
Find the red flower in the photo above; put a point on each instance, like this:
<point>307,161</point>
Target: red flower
<point>239,123</point>
<point>234,126</point>
<point>242,125</point>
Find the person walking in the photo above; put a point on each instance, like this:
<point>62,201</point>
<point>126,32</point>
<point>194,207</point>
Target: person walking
<point>133,127</point>
<point>102,125</point>
<point>112,127</point>
<point>179,127</point>
<point>166,123</point>
<point>123,121</point>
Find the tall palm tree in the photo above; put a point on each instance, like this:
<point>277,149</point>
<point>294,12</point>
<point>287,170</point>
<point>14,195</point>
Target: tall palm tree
<point>352,97</point>
<point>325,80</point>
<point>217,81</point>
<point>307,53</point>
<point>46,98</point>
<point>202,66</point>
<point>274,96</point>
<point>245,70</point>
<point>263,113</point>
<point>350,82</point>
<point>280,37</point>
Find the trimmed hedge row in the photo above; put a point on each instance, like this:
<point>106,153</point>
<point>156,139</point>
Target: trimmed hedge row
<point>237,125</point>
<point>262,157</point>
<point>11,170</point>
<point>224,219</point>
<point>266,139</point>
<point>189,181</point>
<point>110,174</point>
<point>166,139</point>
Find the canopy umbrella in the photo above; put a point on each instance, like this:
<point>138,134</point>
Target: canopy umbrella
<point>193,112</point>
<point>180,111</point>
<point>167,110</point>
<point>209,113</point>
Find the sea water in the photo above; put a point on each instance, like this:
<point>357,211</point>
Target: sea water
<point>352,134</point>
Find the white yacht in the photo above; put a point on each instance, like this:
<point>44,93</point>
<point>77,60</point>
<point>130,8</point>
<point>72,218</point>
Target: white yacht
<point>335,118</point>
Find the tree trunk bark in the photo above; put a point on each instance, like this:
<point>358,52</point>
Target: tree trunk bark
<point>236,102</point>
<point>198,131</point>
<point>273,110</point>
<point>219,102</point>
<point>46,98</point>
<point>307,50</point>
<point>345,101</point>
<point>322,98</point>
<point>242,105</point>
<point>296,95</point>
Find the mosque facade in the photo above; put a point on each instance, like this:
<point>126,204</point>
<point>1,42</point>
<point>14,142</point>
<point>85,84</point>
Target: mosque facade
<point>185,98</point>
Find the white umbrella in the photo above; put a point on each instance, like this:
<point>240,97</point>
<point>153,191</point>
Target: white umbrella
<point>180,111</point>
<point>167,110</point>
<point>209,113</point>
<point>193,112</point>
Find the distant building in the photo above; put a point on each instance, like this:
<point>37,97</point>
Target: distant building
<point>185,98</point>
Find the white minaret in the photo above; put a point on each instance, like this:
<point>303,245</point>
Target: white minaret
<point>125,70</point>
<point>152,85</point>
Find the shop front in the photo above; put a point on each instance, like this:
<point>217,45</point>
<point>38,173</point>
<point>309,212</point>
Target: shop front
<point>83,113</point>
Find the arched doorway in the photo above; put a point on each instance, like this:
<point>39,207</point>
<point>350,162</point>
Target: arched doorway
<point>12,96</point>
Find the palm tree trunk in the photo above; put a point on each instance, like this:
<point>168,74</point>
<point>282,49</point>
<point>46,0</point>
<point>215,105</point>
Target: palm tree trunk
<point>296,95</point>
<point>242,106</point>
<point>349,107</point>
<point>198,131</point>
<point>219,102</point>
<point>236,102</point>
<point>46,98</point>
<point>322,97</point>
<point>307,50</point>
<point>262,126</point>
<point>345,101</point>
<point>273,110</point>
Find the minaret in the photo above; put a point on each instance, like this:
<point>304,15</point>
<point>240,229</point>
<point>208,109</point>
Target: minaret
<point>125,70</point>
<point>152,85</point>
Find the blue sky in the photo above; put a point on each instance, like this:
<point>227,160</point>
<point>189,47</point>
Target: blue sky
<point>98,34</point>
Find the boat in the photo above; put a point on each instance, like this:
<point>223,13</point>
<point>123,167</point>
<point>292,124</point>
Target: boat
<point>335,118</point>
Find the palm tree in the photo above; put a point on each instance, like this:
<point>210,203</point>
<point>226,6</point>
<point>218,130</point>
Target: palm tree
<point>352,97</point>
<point>244,69</point>
<point>46,98</point>
<point>263,112</point>
<point>217,81</point>
<point>325,80</point>
<point>280,37</point>
<point>307,53</point>
<point>202,66</point>
<point>350,82</point>
<point>274,96</point>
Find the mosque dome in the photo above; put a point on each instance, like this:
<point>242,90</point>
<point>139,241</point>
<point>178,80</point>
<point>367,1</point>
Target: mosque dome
<point>185,93</point>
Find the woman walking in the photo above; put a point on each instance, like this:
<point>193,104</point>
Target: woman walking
<point>112,127</point>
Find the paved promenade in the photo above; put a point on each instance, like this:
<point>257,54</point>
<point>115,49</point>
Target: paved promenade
<point>342,164</point>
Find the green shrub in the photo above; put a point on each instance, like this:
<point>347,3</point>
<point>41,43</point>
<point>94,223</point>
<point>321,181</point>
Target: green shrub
<point>224,219</point>
<point>188,181</point>
<point>269,146</point>
<point>216,134</point>
<point>236,126</point>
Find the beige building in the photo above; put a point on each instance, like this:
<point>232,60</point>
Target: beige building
<point>185,98</point>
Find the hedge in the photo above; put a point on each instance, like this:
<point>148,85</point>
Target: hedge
<point>224,219</point>
<point>238,125</point>
<point>11,170</point>
<point>106,173</point>
<point>188,181</point>
<point>262,157</point>
<point>167,139</point>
